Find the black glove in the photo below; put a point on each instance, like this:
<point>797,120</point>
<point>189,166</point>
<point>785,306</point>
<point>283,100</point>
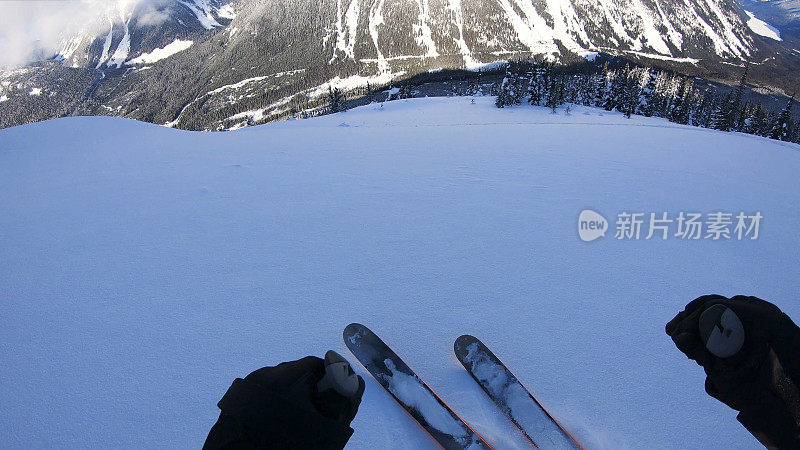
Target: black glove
<point>281,408</point>
<point>750,351</point>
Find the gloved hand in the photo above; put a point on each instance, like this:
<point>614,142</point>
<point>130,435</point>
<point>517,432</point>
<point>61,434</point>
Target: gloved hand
<point>298,381</point>
<point>281,407</point>
<point>750,351</point>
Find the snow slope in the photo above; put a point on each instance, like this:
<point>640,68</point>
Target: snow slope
<point>762,28</point>
<point>144,268</point>
<point>158,54</point>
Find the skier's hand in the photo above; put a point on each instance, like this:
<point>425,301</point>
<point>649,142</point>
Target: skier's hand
<point>757,317</point>
<point>281,408</point>
<point>297,381</point>
<point>750,352</point>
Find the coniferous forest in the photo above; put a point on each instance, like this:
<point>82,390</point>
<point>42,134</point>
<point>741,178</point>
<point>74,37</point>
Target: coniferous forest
<point>647,92</point>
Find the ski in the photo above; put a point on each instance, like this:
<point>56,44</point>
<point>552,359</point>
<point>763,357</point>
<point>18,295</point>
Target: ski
<point>410,391</point>
<point>511,397</point>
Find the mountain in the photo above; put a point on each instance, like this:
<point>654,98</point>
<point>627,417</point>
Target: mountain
<point>213,64</point>
<point>134,29</point>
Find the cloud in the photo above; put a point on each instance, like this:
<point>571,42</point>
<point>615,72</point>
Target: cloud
<point>31,30</point>
<point>153,16</point>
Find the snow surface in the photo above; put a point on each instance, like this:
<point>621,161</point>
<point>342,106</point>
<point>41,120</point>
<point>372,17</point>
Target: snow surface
<point>227,12</point>
<point>665,58</point>
<point>158,54</point>
<point>204,12</point>
<point>124,47</point>
<point>762,28</point>
<point>144,268</point>
<point>106,44</point>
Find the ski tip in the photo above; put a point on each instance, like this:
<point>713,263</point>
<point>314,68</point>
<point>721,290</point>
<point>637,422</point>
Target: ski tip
<point>463,341</point>
<point>352,332</point>
<point>355,326</point>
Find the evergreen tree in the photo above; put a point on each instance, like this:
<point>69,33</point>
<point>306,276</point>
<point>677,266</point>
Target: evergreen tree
<point>614,96</point>
<point>705,109</point>
<point>681,107</point>
<point>601,86</point>
<point>728,117</point>
<point>336,102</point>
<point>647,98</point>
<point>766,124</point>
<point>405,92</point>
<point>536,86</point>
<point>572,89</point>
<point>746,118</point>
<point>782,126</point>
<point>502,94</point>
<point>734,113</point>
<point>472,86</point>
<point>589,87</point>
<point>505,95</point>
<point>753,123</point>
<point>796,138</point>
<point>516,81</point>
<point>721,115</point>
<point>540,83</point>
<point>508,92</point>
<point>662,95</point>
<point>555,93</point>
<point>368,93</point>
<point>631,93</point>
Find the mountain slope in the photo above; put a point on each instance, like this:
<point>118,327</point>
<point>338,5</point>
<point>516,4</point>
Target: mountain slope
<point>145,268</point>
<point>130,29</point>
<point>781,13</point>
<point>222,60</point>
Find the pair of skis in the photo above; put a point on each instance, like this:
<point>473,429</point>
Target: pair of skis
<point>433,414</point>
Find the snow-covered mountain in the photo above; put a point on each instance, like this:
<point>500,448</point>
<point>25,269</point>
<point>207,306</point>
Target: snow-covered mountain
<point>390,33</point>
<point>131,29</point>
<point>201,64</point>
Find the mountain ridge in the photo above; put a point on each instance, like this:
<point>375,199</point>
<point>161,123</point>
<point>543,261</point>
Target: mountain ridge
<point>222,58</point>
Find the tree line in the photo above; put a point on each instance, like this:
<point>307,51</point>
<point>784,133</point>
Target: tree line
<point>647,92</point>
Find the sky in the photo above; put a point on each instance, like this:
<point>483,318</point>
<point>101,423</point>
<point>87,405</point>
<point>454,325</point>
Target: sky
<point>34,28</point>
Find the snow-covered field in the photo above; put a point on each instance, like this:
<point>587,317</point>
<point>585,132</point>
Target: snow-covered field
<point>158,54</point>
<point>762,28</point>
<point>144,268</point>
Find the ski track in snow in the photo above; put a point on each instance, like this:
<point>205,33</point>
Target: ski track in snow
<point>145,268</point>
